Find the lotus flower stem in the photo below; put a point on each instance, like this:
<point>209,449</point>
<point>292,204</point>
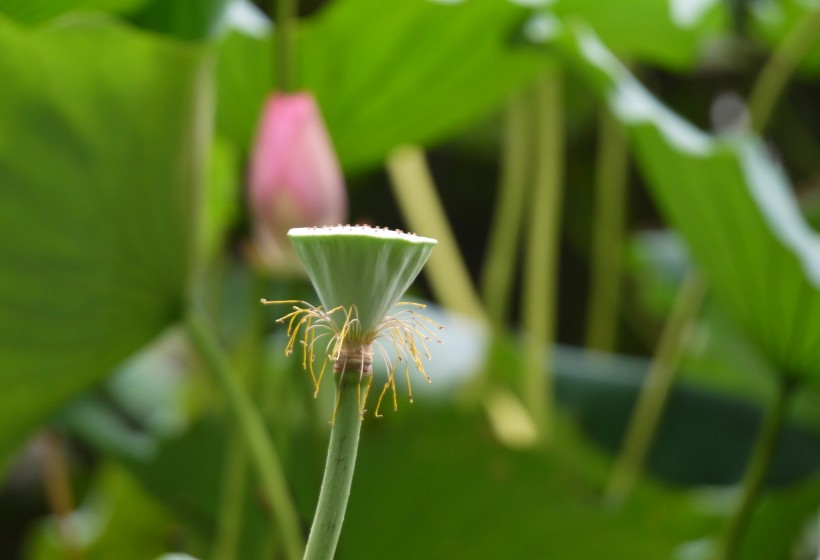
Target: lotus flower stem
<point>359,274</point>
<point>338,477</point>
<point>286,11</point>
<point>421,206</point>
<point>780,67</point>
<point>262,452</point>
<point>656,387</point>
<point>541,251</point>
<point>498,272</point>
<point>58,494</point>
<point>232,500</point>
<point>234,482</point>
<point>610,204</point>
<point>756,471</point>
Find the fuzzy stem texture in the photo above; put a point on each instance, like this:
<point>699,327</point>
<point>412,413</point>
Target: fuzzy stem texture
<point>58,493</point>
<point>421,207</point>
<point>756,472</point>
<point>248,364</point>
<point>286,11</point>
<point>251,426</point>
<point>341,461</point>
<point>656,388</point>
<point>232,501</point>
<point>538,302</point>
<point>608,234</point>
<point>498,273</point>
<point>779,68</point>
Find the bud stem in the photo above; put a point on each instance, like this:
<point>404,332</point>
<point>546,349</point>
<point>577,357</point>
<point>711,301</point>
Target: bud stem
<point>286,12</point>
<point>341,461</point>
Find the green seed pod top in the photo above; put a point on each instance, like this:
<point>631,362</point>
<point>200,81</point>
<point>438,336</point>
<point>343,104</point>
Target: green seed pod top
<point>361,268</point>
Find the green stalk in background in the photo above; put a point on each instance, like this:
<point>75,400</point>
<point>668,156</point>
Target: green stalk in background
<point>57,486</point>
<point>538,302</point>
<point>511,422</point>
<point>286,13</point>
<point>756,471</point>
<point>448,274</point>
<point>656,388</point>
<point>248,364</point>
<point>780,67</point>
<point>359,273</point>
<point>421,206</point>
<point>498,272</point>
<point>608,235</point>
<point>253,430</point>
<point>232,500</point>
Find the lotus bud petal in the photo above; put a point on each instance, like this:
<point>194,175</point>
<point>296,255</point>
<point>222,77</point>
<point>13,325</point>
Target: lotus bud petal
<point>295,177</point>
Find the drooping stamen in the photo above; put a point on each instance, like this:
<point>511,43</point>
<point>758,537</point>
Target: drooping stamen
<point>390,381</point>
<point>349,349</point>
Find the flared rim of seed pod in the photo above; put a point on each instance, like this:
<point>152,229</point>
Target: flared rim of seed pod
<point>360,273</point>
<point>368,231</point>
<point>362,268</point>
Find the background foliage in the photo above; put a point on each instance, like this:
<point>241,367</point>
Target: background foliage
<point>125,132</point>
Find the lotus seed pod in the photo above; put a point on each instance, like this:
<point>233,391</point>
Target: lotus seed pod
<point>361,268</point>
<point>359,273</point>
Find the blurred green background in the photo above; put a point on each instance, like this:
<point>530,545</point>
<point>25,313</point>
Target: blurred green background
<point>622,191</point>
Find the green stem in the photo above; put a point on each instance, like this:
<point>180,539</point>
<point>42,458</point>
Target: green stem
<point>542,247</point>
<point>341,461</point>
<point>780,67</point>
<point>232,501</point>
<point>286,11</point>
<point>656,388</point>
<point>499,265</point>
<point>235,467</point>
<point>421,207</point>
<point>57,482</point>
<point>250,424</point>
<point>607,242</point>
<point>756,471</point>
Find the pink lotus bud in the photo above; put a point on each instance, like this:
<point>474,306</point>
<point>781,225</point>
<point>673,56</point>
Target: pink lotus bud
<point>295,177</point>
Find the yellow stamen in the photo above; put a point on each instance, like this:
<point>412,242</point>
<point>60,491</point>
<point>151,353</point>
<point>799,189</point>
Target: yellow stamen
<point>409,385</point>
<point>407,330</point>
<point>366,393</point>
<point>384,390</point>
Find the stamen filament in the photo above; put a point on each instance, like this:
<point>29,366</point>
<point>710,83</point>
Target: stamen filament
<point>406,329</point>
